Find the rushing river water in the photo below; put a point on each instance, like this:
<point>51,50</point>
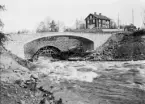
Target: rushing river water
<point>85,82</point>
<point>88,70</point>
<point>97,82</point>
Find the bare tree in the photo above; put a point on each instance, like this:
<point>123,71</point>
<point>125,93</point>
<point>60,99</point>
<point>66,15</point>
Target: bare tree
<point>41,27</point>
<point>2,35</point>
<point>144,18</point>
<point>80,24</point>
<point>47,26</point>
<point>47,23</point>
<point>60,26</point>
<point>1,25</point>
<point>113,25</point>
<point>2,8</point>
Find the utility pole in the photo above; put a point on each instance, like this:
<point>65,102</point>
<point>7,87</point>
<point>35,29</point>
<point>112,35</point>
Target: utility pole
<point>118,21</point>
<point>132,16</point>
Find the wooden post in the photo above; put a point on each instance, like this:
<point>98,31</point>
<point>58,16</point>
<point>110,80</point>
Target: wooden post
<point>95,22</point>
<point>98,24</point>
<point>109,24</point>
<point>101,23</point>
<point>86,24</point>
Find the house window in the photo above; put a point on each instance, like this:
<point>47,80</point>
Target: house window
<point>93,20</point>
<point>88,21</point>
<point>90,17</point>
<point>99,21</point>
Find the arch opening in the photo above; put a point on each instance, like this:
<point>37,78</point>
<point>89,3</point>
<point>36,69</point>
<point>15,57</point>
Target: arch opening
<point>47,51</point>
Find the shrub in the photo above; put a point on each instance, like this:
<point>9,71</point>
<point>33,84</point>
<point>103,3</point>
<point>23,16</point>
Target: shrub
<point>3,38</point>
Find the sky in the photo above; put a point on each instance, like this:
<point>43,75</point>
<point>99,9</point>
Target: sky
<point>27,14</point>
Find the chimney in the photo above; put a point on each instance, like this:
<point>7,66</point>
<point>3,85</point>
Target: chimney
<point>100,14</point>
<point>95,13</point>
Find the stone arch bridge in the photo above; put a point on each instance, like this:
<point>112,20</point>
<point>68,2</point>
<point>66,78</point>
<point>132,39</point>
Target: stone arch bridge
<point>55,43</point>
<point>19,42</point>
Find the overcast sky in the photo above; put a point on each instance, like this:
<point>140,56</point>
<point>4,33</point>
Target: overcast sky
<point>26,14</point>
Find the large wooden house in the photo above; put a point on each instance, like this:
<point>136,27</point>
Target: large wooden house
<point>97,21</point>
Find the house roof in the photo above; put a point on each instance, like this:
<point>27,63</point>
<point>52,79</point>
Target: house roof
<point>100,16</point>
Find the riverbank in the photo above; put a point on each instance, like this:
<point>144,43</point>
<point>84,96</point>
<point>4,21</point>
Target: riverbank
<point>122,46</point>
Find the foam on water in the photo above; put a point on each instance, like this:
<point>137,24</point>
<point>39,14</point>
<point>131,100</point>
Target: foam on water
<point>85,71</point>
<point>62,70</point>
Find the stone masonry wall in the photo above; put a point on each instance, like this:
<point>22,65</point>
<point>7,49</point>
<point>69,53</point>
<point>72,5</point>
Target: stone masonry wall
<point>63,43</point>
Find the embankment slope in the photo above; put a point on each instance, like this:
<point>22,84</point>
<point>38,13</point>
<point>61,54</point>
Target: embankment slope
<point>122,46</point>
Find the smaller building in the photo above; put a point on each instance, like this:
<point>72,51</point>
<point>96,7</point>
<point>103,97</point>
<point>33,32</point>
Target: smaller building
<point>130,27</point>
<point>97,21</point>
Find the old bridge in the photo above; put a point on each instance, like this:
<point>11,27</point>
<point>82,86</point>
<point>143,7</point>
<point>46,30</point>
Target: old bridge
<point>25,42</point>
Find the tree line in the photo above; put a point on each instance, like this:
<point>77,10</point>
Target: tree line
<point>49,25</point>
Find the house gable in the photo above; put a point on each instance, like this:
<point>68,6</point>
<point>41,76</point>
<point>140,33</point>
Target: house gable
<point>88,17</point>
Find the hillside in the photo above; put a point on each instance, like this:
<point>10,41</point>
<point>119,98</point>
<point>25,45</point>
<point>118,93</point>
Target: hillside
<point>122,46</point>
